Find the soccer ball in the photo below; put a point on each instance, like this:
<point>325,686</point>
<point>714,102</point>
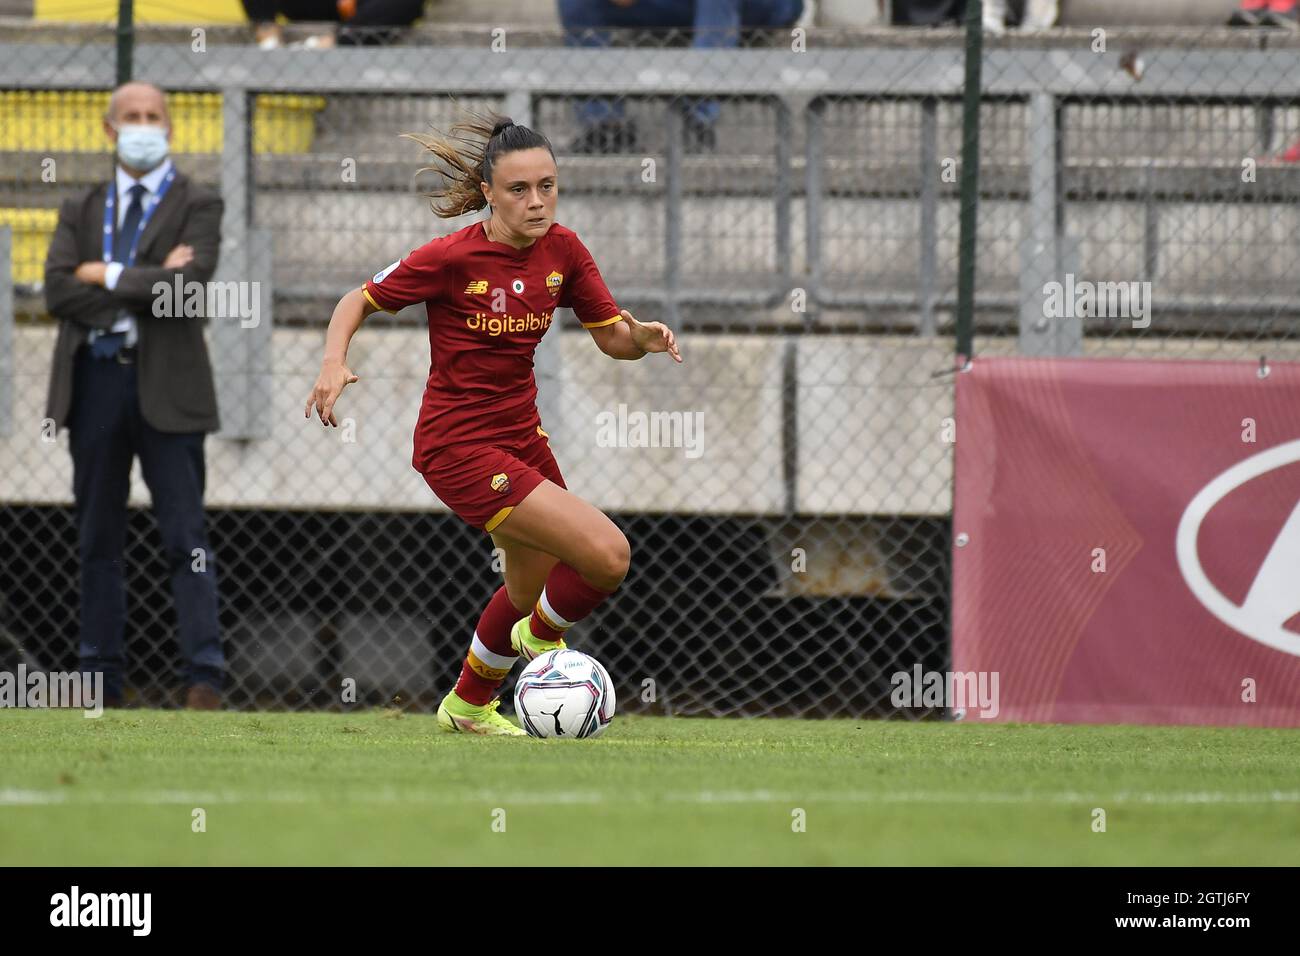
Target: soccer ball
<point>564,693</point>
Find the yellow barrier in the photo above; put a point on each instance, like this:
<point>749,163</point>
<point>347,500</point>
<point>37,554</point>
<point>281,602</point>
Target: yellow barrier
<point>48,120</point>
<point>32,229</point>
<point>146,11</point>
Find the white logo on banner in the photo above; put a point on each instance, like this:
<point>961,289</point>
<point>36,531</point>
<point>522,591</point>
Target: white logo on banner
<point>1273,598</point>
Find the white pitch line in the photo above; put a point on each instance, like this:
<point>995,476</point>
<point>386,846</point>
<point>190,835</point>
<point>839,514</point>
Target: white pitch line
<point>12,797</point>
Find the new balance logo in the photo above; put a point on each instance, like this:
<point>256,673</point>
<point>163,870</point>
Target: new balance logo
<point>477,287</point>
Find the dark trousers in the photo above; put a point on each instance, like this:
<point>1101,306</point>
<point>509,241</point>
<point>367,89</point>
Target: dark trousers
<point>928,13</point>
<point>107,431</point>
<point>370,13</point>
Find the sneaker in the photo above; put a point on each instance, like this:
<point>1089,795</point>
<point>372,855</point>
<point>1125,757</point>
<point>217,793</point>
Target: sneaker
<point>269,36</point>
<point>320,41</point>
<point>1039,15</point>
<point>1248,14</point>
<point>458,717</point>
<point>1281,13</point>
<point>529,647</point>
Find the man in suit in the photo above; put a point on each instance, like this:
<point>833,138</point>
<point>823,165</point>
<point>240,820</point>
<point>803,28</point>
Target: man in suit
<point>130,379</point>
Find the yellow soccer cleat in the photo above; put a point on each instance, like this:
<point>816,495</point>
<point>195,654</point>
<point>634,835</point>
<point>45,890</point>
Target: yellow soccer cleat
<point>458,717</point>
<point>529,647</point>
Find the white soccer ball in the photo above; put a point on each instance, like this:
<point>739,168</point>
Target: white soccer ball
<point>564,693</point>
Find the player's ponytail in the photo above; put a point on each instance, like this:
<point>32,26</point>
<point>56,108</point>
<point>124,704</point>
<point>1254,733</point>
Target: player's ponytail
<point>467,156</point>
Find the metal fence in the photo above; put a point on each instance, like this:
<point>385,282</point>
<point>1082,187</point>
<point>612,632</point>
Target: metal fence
<point>807,255</point>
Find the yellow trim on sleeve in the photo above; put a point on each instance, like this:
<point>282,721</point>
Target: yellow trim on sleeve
<point>543,433</point>
<point>497,518</point>
<point>371,299</point>
<point>602,323</point>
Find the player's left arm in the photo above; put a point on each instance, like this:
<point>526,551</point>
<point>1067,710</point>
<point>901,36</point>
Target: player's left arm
<point>630,339</point>
<point>614,330</point>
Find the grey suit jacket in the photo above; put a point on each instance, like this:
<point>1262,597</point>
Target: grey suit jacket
<point>175,376</point>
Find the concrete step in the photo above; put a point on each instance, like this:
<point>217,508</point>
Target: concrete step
<point>869,413</point>
<point>854,131</point>
<point>1212,231</point>
<point>1146,24</point>
<point>1202,249</point>
<point>1095,177</point>
<point>840,14</point>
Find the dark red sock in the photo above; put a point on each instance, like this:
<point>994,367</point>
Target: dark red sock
<point>565,600</point>
<point>490,655</point>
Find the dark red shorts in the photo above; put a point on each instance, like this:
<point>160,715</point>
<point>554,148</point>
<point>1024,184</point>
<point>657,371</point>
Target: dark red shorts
<point>483,483</point>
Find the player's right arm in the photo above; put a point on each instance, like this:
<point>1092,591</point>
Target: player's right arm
<point>419,277</point>
<point>335,375</point>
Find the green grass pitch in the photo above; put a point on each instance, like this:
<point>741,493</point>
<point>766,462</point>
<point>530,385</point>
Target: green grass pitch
<point>378,788</point>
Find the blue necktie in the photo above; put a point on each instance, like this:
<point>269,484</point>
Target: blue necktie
<point>110,343</point>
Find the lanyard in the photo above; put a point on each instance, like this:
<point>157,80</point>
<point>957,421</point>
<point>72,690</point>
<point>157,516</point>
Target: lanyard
<point>110,218</point>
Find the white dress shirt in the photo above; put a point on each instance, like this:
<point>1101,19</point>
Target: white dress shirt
<point>151,181</point>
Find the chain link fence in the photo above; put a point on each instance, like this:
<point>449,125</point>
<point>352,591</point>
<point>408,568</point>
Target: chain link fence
<point>1141,203</point>
<point>793,213</point>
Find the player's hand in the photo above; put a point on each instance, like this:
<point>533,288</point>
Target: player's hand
<point>179,257</point>
<point>334,377</point>
<point>651,336</point>
<point>91,273</point>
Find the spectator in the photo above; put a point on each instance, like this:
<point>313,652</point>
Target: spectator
<point>126,382</point>
<point>928,13</point>
<point>362,22</point>
<point>1038,15</point>
<point>716,24</point>
<point>1266,13</point>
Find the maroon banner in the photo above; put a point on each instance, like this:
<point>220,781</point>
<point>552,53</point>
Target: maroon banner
<point>1126,539</point>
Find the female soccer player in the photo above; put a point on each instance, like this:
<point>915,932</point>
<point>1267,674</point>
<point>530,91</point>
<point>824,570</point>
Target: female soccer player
<point>491,290</point>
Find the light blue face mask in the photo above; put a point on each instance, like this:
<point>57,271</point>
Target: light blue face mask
<point>141,146</point>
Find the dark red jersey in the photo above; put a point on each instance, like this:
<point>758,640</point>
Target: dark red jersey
<point>489,304</point>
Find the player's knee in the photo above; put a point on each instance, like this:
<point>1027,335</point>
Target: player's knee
<point>609,561</point>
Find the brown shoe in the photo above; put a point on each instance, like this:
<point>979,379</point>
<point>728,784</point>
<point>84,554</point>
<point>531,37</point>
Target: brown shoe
<point>202,697</point>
